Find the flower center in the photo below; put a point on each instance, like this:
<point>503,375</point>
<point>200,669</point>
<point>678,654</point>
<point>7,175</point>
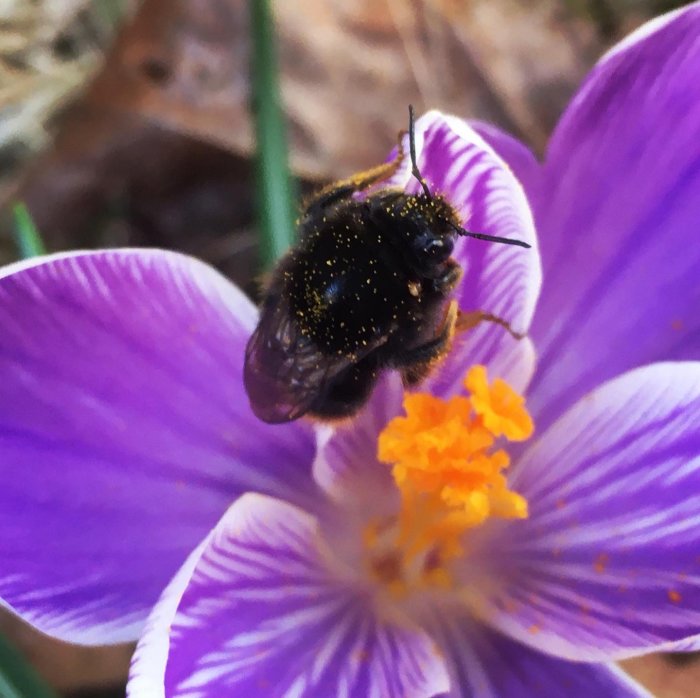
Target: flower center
<point>449,470</point>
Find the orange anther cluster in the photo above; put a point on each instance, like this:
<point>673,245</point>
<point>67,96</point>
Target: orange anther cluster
<point>501,409</point>
<point>448,466</point>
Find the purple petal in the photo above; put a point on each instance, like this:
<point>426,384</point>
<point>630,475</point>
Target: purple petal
<point>516,155</point>
<point>606,566</point>
<point>124,432</point>
<point>487,664</point>
<point>346,464</point>
<point>262,613</point>
<point>500,279</point>
<point>508,358</point>
<point>147,672</point>
<point>617,216</point>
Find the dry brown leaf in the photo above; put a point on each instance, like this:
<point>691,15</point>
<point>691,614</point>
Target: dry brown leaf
<point>664,677</point>
<point>348,70</point>
<point>503,61</point>
<point>66,666</point>
<point>178,73</point>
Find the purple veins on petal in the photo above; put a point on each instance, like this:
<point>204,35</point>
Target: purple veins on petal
<point>500,279</point>
<point>264,612</point>
<point>617,214</point>
<point>487,664</point>
<point>124,433</point>
<point>606,565</point>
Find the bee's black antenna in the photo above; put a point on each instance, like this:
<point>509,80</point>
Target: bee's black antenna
<point>489,238</point>
<point>412,143</point>
<point>416,173</point>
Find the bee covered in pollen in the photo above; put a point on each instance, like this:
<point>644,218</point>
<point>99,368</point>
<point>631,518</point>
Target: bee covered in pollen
<point>366,288</point>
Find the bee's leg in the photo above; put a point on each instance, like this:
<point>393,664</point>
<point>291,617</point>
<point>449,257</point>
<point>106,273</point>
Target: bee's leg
<point>415,364</point>
<point>347,187</point>
<point>449,279</point>
<point>329,195</point>
<point>468,321</point>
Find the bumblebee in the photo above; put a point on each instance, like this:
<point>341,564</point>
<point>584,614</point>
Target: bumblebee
<point>366,288</point>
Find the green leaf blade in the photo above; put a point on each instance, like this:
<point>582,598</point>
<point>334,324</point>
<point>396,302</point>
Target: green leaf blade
<point>28,240</point>
<point>17,678</point>
<point>275,208</point>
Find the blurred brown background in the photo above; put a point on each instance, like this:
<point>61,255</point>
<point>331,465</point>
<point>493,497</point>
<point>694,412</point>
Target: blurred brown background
<point>128,123</point>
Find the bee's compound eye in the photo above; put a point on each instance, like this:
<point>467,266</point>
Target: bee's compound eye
<point>430,251</point>
<point>437,249</point>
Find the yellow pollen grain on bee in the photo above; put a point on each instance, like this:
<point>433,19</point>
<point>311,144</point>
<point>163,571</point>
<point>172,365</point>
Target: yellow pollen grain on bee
<point>449,472</point>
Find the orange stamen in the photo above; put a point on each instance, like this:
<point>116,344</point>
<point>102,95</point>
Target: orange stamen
<point>499,406</point>
<point>449,472</point>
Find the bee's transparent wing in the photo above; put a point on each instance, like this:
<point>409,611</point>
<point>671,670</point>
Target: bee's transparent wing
<point>284,372</point>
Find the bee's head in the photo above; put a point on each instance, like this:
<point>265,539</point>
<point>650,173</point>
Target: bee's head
<point>431,226</point>
<point>438,210</point>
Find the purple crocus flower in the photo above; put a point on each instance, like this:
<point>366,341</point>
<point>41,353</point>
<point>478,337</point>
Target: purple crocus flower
<point>125,435</point>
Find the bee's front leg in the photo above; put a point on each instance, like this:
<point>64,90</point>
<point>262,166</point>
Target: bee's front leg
<point>447,281</point>
<point>416,363</point>
<point>468,321</point>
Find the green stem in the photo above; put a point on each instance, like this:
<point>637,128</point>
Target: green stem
<point>17,678</point>
<point>28,239</point>
<point>275,210</point>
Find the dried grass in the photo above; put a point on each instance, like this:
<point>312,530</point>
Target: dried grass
<point>48,49</point>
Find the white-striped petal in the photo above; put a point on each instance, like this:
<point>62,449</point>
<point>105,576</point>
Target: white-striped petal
<point>265,610</point>
<point>607,565</point>
<point>500,279</point>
